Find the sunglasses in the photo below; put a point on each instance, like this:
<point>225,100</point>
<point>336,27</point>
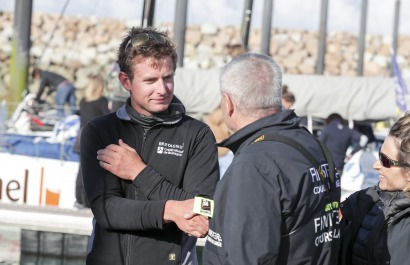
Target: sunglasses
<point>142,38</point>
<point>388,163</point>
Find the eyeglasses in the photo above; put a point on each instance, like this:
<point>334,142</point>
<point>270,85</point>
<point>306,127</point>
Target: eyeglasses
<point>388,163</point>
<point>141,38</point>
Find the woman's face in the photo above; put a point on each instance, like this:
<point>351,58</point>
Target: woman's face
<point>393,178</point>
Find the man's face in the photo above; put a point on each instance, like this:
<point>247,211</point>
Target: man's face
<point>152,88</point>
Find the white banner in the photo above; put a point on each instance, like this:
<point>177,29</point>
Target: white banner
<point>37,181</point>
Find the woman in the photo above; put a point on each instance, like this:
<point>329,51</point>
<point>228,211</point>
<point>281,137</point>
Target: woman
<point>93,104</point>
<point>376,221</point>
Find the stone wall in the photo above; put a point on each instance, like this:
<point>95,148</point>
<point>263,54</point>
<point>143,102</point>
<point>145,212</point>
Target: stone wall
<point>84,45</point>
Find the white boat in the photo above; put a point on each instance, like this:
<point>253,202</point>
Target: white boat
<point>39,167</point>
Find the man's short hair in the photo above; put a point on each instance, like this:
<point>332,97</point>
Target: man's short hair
<point>141,43</point>
<point>335,116</point>
<point>254,82</point>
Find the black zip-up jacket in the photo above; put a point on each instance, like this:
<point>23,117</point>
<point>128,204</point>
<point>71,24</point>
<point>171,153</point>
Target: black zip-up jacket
<point>182,162</point>
<point>271,206</point>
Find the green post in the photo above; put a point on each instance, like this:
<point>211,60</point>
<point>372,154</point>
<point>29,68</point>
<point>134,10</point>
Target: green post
<point>19,75</point>
<point>20,57</point>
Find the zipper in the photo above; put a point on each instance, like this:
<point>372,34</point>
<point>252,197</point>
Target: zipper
<point>144,138</point>
<point>128,247</point>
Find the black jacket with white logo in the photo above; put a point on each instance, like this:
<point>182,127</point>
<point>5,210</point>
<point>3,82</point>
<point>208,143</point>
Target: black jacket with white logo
<point>271,207</point>
<point>129,229</point>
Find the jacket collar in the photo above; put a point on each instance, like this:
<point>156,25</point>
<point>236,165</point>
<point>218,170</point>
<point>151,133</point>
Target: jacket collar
<point>283,120</point>
<point>395,204</point>
<point>173,115</point>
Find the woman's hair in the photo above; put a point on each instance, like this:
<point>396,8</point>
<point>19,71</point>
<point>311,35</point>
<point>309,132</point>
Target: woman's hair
<point>287,95</point>
<point>400,131</point>
<point>254,82</point>
<point>95,88</point>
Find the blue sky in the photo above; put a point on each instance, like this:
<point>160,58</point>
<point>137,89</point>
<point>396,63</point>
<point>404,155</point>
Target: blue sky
<point>344,15</point>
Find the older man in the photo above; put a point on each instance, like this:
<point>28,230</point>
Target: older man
<point>278,201</point>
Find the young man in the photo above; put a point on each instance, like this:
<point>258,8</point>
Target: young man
<point>64,89</point>
<point>152,160</point>
<point>274,204</point>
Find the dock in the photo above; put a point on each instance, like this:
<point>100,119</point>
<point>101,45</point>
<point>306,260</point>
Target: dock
<point>50,219</point>
<point>17,219</point>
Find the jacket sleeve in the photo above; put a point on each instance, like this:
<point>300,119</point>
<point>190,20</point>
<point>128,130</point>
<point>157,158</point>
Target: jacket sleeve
<point>323,135</point>
<point>201,174</point>
<point>106,196</point>
<point>252,219</point>
<point>42,87</point>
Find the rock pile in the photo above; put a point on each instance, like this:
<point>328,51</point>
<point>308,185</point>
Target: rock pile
<point>80,46</point>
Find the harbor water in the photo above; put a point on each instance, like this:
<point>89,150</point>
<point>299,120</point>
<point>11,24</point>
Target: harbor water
<point>28,247</point>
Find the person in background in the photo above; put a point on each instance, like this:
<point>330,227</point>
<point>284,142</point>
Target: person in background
<point>288,98</point>
<point>376,221</point>
<point>235,49</point>
<point>144,164</point>
<point>365,129</point>
<point>215,121</point>
<point>64,89</point>
<point>272,205</point>
<point>92,105</point>
<point>288,102</point>
<point>117,94</point>
<point>338,137</point>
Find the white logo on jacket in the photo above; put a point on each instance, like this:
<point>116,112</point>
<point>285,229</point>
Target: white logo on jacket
<point>214,238</point>
<point>170,149</point>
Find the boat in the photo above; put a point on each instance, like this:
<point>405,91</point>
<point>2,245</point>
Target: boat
<point>39,166</point>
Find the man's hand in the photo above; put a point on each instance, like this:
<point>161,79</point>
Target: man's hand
<point>121,160</point>
<point>180,212</point>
